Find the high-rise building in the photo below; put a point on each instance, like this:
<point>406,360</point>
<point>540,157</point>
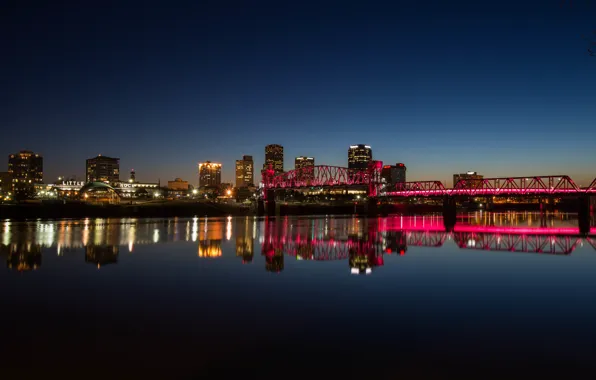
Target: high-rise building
<point>274,156</point>
<point>245,172</point>
<point>103,169</point>
<point>358,157</point>
<point>471,178</point>
<point>209,174</point>
<point>393,174</point>
<point>305,162</point>
<point>26,169</point>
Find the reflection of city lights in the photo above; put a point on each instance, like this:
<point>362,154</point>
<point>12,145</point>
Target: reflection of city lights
<point>229,228</point>
<point>195,229</point>
<point>155,235</point>
<point>209,249</point>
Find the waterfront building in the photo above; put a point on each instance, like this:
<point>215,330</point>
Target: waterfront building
<point>178,188</point>
<point>394,174</point>
<point>25,169</point>
<point>66,188</point>
<point>209,174</point>
<point>358,157</point>
<point>103,169</point>
<point>274,156</point>
<point>99,193</point>
<point>137,189</point>
<point>245,172</point>
<point>178,185</point>
<point>471,179</point>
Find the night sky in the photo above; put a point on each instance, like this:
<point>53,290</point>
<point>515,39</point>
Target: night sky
<point>498,87</point>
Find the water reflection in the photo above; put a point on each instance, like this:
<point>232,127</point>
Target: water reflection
<point>245,238</point>
<point>101,254</point>
<point>362,242</point>
<point>22,256</point>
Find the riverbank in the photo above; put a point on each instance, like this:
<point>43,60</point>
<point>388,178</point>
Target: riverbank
<point>209,209</point>
<point>149,210</point>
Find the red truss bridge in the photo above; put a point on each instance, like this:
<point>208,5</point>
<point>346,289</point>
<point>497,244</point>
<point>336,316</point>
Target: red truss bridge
<point>335,176</point>
<point>325,176</point>
<point>554,185</point>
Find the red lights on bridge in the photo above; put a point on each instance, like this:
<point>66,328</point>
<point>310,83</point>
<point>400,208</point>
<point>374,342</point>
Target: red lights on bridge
<point>545,185</point>
<point>323,175</point>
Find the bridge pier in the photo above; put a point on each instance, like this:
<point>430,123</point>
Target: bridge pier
<point>583,214</point>
<point>270,204</point>
<point>449,213</point>
<point>489,204</point>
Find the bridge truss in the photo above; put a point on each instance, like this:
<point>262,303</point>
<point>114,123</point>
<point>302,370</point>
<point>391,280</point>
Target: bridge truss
<point>556,185</point>
<point>325,176</point>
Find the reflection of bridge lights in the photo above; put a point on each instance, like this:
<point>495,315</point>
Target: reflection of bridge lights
<point>155,235</point>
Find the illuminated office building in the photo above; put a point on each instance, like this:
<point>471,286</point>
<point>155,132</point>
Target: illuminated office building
<point>303,163</point>
<point>209,174</point>
<point>245,172</point>
<point>471,179</point>
<point>103,169</point>
<point>274,156</point>
<point>26,170</point>
<point>358,157</point>
<point>393,174</point>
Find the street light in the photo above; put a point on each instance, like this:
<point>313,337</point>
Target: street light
<point>194,191</point>
<point>229,192</point>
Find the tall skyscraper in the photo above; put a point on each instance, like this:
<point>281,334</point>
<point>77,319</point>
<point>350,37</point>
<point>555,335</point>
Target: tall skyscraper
<point>274,156</point>
<point>103,169</point>
<point>359,156</point>
<point>26,169</point>
<point>209,174</point>
<point>305,162</point>
<point>245,172</point>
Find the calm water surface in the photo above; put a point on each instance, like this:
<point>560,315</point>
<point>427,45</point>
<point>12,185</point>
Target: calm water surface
<point>283,297</point>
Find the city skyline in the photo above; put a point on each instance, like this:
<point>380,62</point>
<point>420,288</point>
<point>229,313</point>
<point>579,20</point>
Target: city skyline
<point>228,174</point>
<point>501,94</point>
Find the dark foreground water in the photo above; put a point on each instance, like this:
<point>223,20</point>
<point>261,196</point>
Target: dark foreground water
<point>289,297</point>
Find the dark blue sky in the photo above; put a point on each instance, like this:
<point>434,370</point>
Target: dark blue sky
<point>500,87</point>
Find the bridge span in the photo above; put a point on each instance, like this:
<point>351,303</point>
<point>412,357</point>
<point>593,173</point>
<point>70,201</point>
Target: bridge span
<point>544,187</point>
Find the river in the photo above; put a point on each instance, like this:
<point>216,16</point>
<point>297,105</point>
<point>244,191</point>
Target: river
<point>288,296</point>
